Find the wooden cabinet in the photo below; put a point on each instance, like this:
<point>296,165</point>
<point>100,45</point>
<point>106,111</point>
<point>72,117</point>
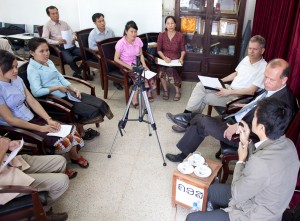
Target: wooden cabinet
<point>213,32</point>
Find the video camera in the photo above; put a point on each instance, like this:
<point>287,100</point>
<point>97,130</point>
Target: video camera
<point>138,68</point>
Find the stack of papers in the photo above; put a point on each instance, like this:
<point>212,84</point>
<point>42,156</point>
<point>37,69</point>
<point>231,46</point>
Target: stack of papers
<point>72,96</point>
<point>64,131</point>
<point>211,83</point>
<point>173,63</point>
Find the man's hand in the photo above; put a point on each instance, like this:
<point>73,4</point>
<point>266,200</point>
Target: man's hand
<point>231,129</point>
<point>223,92</point>
<point>4,143</point>
<point>62,41</point>
<point>244,131</point>
<point>14,144</point>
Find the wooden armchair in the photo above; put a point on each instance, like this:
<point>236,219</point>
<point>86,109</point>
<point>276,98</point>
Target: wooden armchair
<point>90,58</point>
<point>58,108</point>
<point>150,59</point>
<point>25,206</point>
<point>112,70</point>
<point>230,153</point>
<point>55,53</point>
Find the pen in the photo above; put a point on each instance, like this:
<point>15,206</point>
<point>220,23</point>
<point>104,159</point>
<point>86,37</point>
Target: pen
<point>5,134</point>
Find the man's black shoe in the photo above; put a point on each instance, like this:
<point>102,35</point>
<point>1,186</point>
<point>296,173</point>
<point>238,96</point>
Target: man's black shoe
<point>178,129</point>
<point>174,158</point>
<point>182,120</point>
<point>89,77</point>
<point>56,216</point>
<point>118,86</point>
<point>77,75</point>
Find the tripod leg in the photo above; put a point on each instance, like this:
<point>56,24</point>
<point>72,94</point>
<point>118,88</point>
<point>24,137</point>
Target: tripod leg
<point>153,125</point>
<point>111,148</point>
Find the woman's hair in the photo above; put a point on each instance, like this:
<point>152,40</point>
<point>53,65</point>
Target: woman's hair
<point>34,43</point>
<point>130,24</point>
<point>6,61</point>
<point>172,17</point>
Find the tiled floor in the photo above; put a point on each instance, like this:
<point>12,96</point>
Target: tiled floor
<point>133,184</point>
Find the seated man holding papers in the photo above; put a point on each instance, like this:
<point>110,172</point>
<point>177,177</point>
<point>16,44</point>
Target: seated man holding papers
<point>46,173</point>
<point>247,79</point>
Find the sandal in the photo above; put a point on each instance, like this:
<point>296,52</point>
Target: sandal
<point>150,98</point>
<point>81,162</point>
<point>92,132</point>
<point>177,96</point>
<point>71,173</point>
<point>135,106</point>
<point>88,136</point>
<point>166,95</point>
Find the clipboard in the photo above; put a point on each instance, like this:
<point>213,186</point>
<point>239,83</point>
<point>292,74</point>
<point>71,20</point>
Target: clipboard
<point>211,83</point>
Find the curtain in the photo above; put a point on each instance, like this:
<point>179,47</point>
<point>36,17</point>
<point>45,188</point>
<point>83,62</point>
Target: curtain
<point>278,21</point>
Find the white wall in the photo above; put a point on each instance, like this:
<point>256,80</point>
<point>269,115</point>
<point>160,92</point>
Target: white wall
<point>78,13</point>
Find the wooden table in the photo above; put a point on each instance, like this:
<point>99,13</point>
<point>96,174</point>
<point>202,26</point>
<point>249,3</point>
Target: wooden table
<point>189,188</point>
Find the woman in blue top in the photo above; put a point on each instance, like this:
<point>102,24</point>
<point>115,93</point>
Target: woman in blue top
<point>14,112</point>
<point>45,79</point>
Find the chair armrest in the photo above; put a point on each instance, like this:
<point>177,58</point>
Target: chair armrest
<point>17,189</point>
<point>230,108</point>
<point>148,55</point>
<point>70,116</point>
<point>57,100</point>
<point>97,55</point>
<point>28,136</point>
<point>85,83</point>
<point>123,69</point>
<point>55,49</point>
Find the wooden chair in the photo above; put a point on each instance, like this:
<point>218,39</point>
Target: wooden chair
<point>55,53</point>
<point>112,70</point>
<point>62,110</point>
<point>230,153</point>
<point>90,58</point>
<point>30,205</point>
<point>150,59</point>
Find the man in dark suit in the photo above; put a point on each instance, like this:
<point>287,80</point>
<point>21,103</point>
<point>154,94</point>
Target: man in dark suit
<point>276,76</point>
<point>261,187</point>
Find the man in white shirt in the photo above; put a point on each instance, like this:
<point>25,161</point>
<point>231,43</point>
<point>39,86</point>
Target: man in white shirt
<point>246,80</point>
<point>52,33</point>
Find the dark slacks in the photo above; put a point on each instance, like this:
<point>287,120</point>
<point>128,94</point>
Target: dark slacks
<point>69,55</point>
<point>89,107</point>
<point>201,127</point>
<point>219,195</point>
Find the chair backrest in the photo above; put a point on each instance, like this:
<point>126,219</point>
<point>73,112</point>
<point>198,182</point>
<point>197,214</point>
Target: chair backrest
<point>152,36</point>
<point>107,52</point>
<point>144,38</point>
<point>22,73</point>
<point>40,30</point>
<point>293,131</point>
<point>82,37</point>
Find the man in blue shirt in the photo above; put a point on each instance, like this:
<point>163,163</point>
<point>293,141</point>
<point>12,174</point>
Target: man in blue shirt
<point>99,33</point>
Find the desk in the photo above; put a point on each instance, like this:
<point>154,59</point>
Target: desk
<point>189,188</point>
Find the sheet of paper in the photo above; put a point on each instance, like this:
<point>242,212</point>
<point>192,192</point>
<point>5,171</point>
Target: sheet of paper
<point>173,63</point>
<point>13,154</point>
<point>67,35</point>
<point>149,74</point>
<point>210,82</point>
<point>64,131</point>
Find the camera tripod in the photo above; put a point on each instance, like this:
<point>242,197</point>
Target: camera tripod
<point>139,86</point>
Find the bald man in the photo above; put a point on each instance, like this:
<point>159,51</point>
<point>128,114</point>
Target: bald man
<point>275,78</point>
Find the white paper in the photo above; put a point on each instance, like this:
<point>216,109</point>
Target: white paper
<point>67,35</point>
<point>173,63</point>
<point>149,74</point>
<point>210,82</point>
<point>13,154</point>
<point>152,43</point>
<point>72,98</point>
<point>64,131</point>
<point>188,194</point>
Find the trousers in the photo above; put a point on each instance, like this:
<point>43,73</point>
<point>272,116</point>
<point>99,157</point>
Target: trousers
<point>68,55</point>
<point>201,97</point>
<point>219,195</point>
<point>200,127</point>
<point>48,172</point>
